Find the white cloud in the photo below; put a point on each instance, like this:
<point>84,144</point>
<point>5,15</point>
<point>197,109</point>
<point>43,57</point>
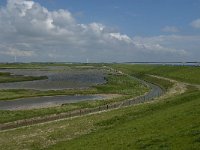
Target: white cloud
<point>159,44</point>
<point>171,29</point>
<point>195,23</point>
<point>121,37</point>
<point>30,30</point>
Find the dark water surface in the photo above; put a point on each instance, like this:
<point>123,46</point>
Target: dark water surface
<point>57,79</point>
<point>41,102</point>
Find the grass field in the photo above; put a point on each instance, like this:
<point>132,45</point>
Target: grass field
<point>44,65</point>
<point>188,74</point>
<point>29,65</point>
<point>168,124</point>
<point>13,94</point>
<point>164,84</point>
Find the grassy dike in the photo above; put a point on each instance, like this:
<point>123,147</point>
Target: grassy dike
<point>167,124</point>
<point>189,74</point>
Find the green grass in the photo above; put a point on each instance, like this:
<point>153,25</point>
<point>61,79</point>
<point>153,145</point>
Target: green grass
<point>168,124</point>
<point>9,116</point>
<point>123,85</point>
<point>21,65</point>
<point>46,64</point>
<point>188,74</point>
<point>7,77</point>
<point>29,65</point>
<point>171,124</point>
<point>13,94</point>
<point>164,84</point>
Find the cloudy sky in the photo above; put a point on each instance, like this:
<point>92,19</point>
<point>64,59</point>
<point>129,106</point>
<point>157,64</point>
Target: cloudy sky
<point>100,31</point>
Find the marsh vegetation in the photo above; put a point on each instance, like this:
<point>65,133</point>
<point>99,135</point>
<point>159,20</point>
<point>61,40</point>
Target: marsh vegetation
<point>122,85</point>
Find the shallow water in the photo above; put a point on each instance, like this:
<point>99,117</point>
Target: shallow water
<point>42,102</point>
<point>57,79</point>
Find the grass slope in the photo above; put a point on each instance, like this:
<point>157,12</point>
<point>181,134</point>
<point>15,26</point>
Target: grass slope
<point>188,74</point>
<point>164,84</point>
<point>170,124</point>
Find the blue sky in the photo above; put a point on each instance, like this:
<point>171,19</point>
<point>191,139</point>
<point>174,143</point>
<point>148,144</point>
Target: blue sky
<point>150,24</point>
<point>133,17</point>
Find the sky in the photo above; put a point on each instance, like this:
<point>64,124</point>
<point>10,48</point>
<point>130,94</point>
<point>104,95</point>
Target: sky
<point>99,31</point>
